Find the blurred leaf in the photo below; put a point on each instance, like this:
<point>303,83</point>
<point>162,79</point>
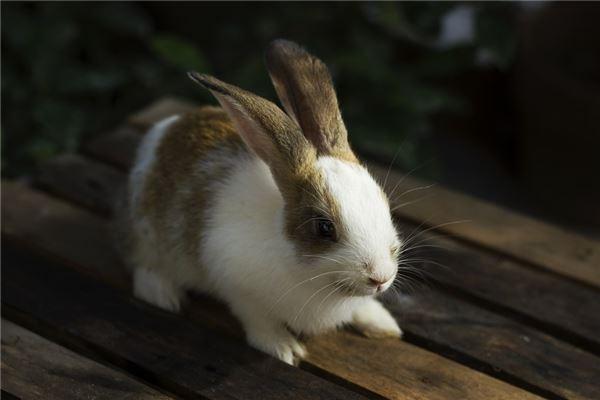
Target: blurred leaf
<point>41,149</point>
<point>179,52</point>
<point>82,81</point>
<point>391,17</point>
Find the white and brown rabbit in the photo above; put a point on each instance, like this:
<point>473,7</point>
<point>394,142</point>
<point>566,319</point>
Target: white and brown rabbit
<point>270,212</point>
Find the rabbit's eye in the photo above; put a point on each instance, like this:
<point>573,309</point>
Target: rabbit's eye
<point>325,228</point>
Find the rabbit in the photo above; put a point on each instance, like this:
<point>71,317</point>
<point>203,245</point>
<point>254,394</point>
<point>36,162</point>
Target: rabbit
<point>266,210</point>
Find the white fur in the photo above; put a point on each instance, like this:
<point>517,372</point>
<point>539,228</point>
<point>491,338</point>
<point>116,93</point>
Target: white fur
<point>145,157</point>
<point>366,217</point>
<point>373,320</point>
<point>150,282</point>
<point>247,260</point>
<point>254,267</point>
<point>153,288</point>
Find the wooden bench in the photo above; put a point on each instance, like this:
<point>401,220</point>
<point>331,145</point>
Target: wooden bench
<point>514,312</point>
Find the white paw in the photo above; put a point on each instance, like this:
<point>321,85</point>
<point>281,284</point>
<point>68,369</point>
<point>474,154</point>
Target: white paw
<point>374,321</point>
<point>279,343</point>
<point>154,289</point>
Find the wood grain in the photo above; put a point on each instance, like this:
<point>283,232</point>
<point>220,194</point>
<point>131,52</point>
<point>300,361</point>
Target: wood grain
<point>60,229</point>
<point>35,368</point>
<point>182,358</point>
<point>78,179</point>
<point>491,226</point>
<point>455,327</point>
<point>211,314</point>
<point>117,147</point>
<point>558,306</point>
<point>488,225</point>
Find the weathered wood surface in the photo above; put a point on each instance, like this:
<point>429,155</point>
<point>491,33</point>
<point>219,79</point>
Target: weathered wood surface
<point>36,368</point>
<point>160,346</point>
<point>513,350</point>
<point>400,378</point>
<point>56,176</point>
<point>537,243</point>
<point>503,309</point>
<point>59,228</point>
<point>564,307</point>
<point>431,318</point>
<point>117,147</point>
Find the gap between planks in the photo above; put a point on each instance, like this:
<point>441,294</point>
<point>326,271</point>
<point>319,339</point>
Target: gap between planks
<point>36,368</point>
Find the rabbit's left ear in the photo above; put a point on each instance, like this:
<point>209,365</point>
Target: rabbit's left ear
<point>305,88</point>
<point>264,127</point>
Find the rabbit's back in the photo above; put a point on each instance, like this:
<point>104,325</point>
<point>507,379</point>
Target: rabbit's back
<point>179,166</point>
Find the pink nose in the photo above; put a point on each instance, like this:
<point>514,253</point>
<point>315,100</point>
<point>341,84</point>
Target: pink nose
<point>377,282</point>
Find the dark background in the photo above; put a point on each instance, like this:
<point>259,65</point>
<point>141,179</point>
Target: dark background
<point>501,100</point>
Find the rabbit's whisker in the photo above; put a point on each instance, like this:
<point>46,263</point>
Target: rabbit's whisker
<point>406,176</point>
<point>300,284</point>
<point>323,257</point>
<point>398,206</point>
<point>413,190</point>
<point>310,298</point>
<point>337,287</point>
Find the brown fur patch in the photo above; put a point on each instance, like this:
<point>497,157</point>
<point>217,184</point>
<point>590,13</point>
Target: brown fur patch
<point>308,201</point>
<point>174,186</point>
<point>305,87</point>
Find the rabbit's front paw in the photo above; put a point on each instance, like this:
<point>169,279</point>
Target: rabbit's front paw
<point>374,321</point>
<point>154,289</point>
<point>277,341</point>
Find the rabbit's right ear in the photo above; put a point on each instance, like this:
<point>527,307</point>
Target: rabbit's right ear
<point>263,126</point>
<point>305,88</point>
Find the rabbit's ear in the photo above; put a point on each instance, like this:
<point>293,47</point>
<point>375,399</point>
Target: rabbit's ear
<point>305,88</point>
<point>263,126</point>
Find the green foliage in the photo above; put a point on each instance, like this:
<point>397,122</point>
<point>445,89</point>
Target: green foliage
<point>179,52</point>
<point>72,70</point>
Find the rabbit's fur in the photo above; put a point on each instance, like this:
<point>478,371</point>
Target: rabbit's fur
<point>270,212</point>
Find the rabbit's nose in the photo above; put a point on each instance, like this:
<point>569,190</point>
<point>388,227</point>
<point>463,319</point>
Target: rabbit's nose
<point>378,282</point>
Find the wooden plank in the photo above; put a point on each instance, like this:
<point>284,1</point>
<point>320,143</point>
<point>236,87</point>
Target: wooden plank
<point>523,353</point>
<point>35,368</point>
<point>563,307</point>
<point>60,229</point>
<point>491,226</point>
<point>399,374</point>
<point>426,377</point>
<point>116,148</point>
<point>497,228</point>
<point>181,357</point>
<point>80,180</point>
<point>559,306</point>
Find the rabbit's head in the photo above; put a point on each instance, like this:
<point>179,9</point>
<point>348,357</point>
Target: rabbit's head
<point>337,217</point>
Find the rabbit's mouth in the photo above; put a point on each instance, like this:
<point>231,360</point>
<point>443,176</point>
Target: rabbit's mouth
<point>367,287</point>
